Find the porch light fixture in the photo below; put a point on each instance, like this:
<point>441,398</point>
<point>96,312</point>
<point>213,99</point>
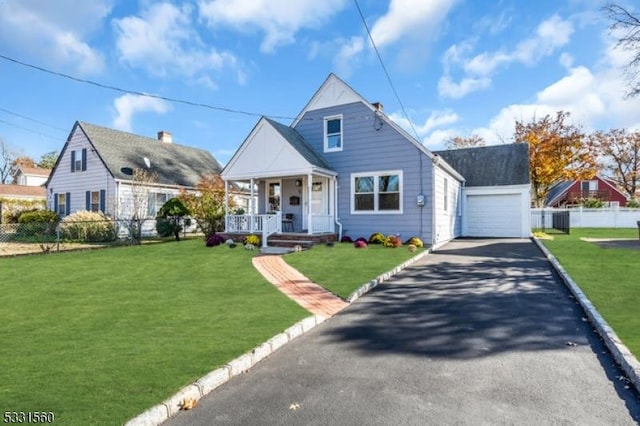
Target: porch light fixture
<point>298,182</point>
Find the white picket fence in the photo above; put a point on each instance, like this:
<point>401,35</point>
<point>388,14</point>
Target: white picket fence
<point>610,217</point>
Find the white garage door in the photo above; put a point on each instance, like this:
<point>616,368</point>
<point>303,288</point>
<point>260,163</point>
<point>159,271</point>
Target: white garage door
<point>496,215</point>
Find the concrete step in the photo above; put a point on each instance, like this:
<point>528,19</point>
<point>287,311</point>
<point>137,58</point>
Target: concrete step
<point>276,242</point>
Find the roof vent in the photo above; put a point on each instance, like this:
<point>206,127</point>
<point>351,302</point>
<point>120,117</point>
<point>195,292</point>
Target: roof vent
<point>378,106</point>
<point>164,136</point>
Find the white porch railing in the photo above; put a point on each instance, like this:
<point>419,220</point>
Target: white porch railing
<point>248,222</point>
<point>271,224</point>
<point>322,223</point>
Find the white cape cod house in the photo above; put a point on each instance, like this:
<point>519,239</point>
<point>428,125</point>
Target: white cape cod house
<point>344,168</point>
<point>94,171</point>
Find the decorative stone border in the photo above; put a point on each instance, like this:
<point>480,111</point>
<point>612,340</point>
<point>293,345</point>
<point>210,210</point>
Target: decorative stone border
<point>201,387</point>
<point>623,356</point>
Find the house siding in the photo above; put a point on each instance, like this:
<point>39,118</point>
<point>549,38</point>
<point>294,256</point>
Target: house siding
<point>96,177</point>
<point>447,216</point>
<point>369,146</point>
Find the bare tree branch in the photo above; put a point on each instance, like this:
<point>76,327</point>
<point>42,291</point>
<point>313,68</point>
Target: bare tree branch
<point>625,25</point>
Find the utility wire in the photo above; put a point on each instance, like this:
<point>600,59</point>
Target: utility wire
<point>33,119</point>
<point>135,92</point>
<point>384,68</point>
<point>30,130</point>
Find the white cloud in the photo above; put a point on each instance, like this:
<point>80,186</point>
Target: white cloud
<point>280,20</point>
<point>128,105</point>
<point>55,32</point>
<point>162,41</point>
<point>551,34</point>
<point>451,89</point>
<point>348,52</point>
<point>408,18</point>
<point>430,130</point>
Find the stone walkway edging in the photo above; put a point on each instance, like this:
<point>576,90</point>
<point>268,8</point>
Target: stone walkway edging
<point>204,385</point>
<point>365,288</point>
<point>623,356</point>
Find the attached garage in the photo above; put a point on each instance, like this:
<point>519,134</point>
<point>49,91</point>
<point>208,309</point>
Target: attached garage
<point>496,197</point>
<point>494,215</point>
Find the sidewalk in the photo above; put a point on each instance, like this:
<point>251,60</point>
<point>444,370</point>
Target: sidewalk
<point>297,287</point>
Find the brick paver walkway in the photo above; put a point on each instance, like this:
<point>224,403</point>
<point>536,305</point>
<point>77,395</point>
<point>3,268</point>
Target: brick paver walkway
<point>296,286</point>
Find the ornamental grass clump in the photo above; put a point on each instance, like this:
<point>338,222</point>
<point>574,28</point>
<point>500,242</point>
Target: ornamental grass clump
<point>252,239</point>
<point>415,241</point>
<point>392,241</point>
<point>88,226</point>
<point>377,238</point>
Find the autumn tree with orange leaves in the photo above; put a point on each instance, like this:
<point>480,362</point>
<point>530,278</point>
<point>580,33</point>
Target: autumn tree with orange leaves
<point>557,151</point>
<point>207,206</point>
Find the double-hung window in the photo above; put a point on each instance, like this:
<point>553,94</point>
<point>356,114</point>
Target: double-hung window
<point>378,192</point>
<point>155,202</point>
<point>79,160</point>
<point>333,133</point>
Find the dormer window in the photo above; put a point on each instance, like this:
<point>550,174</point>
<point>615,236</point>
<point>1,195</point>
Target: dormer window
<point>333,133</point>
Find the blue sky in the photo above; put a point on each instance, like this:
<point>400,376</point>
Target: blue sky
<point>460,67</point>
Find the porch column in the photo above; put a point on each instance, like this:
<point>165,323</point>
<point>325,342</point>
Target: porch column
<point>309,215</point>
<point>251,206</point>
<point>226,206</point>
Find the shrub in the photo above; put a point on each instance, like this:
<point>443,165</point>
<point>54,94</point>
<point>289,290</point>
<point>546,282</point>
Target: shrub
<point>164,227</point>
<point>169,218</point>
<point>214,240</point>
<point>633,203</point>
<point>377,238</point>
<point>252,239</point>
<point>412,248</point>
<point>392,241</point>
<point>360,243</point>
<point>88,226</point>
<point>33,223</point>
<point>592,203</point>
<point>415,241</point>
<point>346,239</point>
<point>360,239</point>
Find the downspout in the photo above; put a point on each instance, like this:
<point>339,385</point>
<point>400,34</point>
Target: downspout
<point>226,205</point>
<point>309,216</point>
<point>335,208</point>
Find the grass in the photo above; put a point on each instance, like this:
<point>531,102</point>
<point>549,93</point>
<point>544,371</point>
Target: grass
<point>342,269</point>
<point>97,337</point>
<point>610,277</point>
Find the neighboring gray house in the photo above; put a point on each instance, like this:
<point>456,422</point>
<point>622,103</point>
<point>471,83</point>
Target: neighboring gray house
<point>95,168</point>
<point>344,167</point>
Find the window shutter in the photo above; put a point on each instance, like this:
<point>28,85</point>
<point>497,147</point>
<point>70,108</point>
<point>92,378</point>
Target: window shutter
<point>67,208</point>
<point>103,194</point>
<point>88,201</point>
<point>84,159</point>
<point>73,161</point>
<point>55,202</point>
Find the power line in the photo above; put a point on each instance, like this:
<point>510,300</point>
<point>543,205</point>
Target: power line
<point>384,68</point>
<point>29,130</point>
<point>135,92</point>
<point>33,119</point>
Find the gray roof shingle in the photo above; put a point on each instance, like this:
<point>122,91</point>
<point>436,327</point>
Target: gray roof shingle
<point>494,165</point>
<point>296,140</point>
<point>174,164</point>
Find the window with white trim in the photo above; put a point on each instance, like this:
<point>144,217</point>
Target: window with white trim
<point>95,201</point>
<point>376,192</point>
<point>155,202</point>
<point>333,133</point>
<point>62,204</point>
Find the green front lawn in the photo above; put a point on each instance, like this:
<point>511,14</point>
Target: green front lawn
<point>98,337</point>
<point>342,268</point>
<point>610,277</point>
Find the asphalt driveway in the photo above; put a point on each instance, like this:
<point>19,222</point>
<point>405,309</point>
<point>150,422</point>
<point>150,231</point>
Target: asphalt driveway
<point>480,332</point>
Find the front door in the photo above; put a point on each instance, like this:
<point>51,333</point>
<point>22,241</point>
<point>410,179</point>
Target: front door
<point>318,203</point>
<point>274,196</point>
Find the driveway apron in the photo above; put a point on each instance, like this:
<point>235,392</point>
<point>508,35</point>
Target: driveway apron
<point>479,332</point>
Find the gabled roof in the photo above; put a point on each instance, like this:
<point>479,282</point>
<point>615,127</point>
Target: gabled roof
<point>296,140</point>
<point>34,171</point>
<point>334,92</point>
<point>273,149</point>
<point>494,165</point>
<point>122,152</point>
<point>22,191</point>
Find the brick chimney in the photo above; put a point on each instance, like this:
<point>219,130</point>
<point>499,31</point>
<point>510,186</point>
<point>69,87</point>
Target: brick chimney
<point>164,136</point>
